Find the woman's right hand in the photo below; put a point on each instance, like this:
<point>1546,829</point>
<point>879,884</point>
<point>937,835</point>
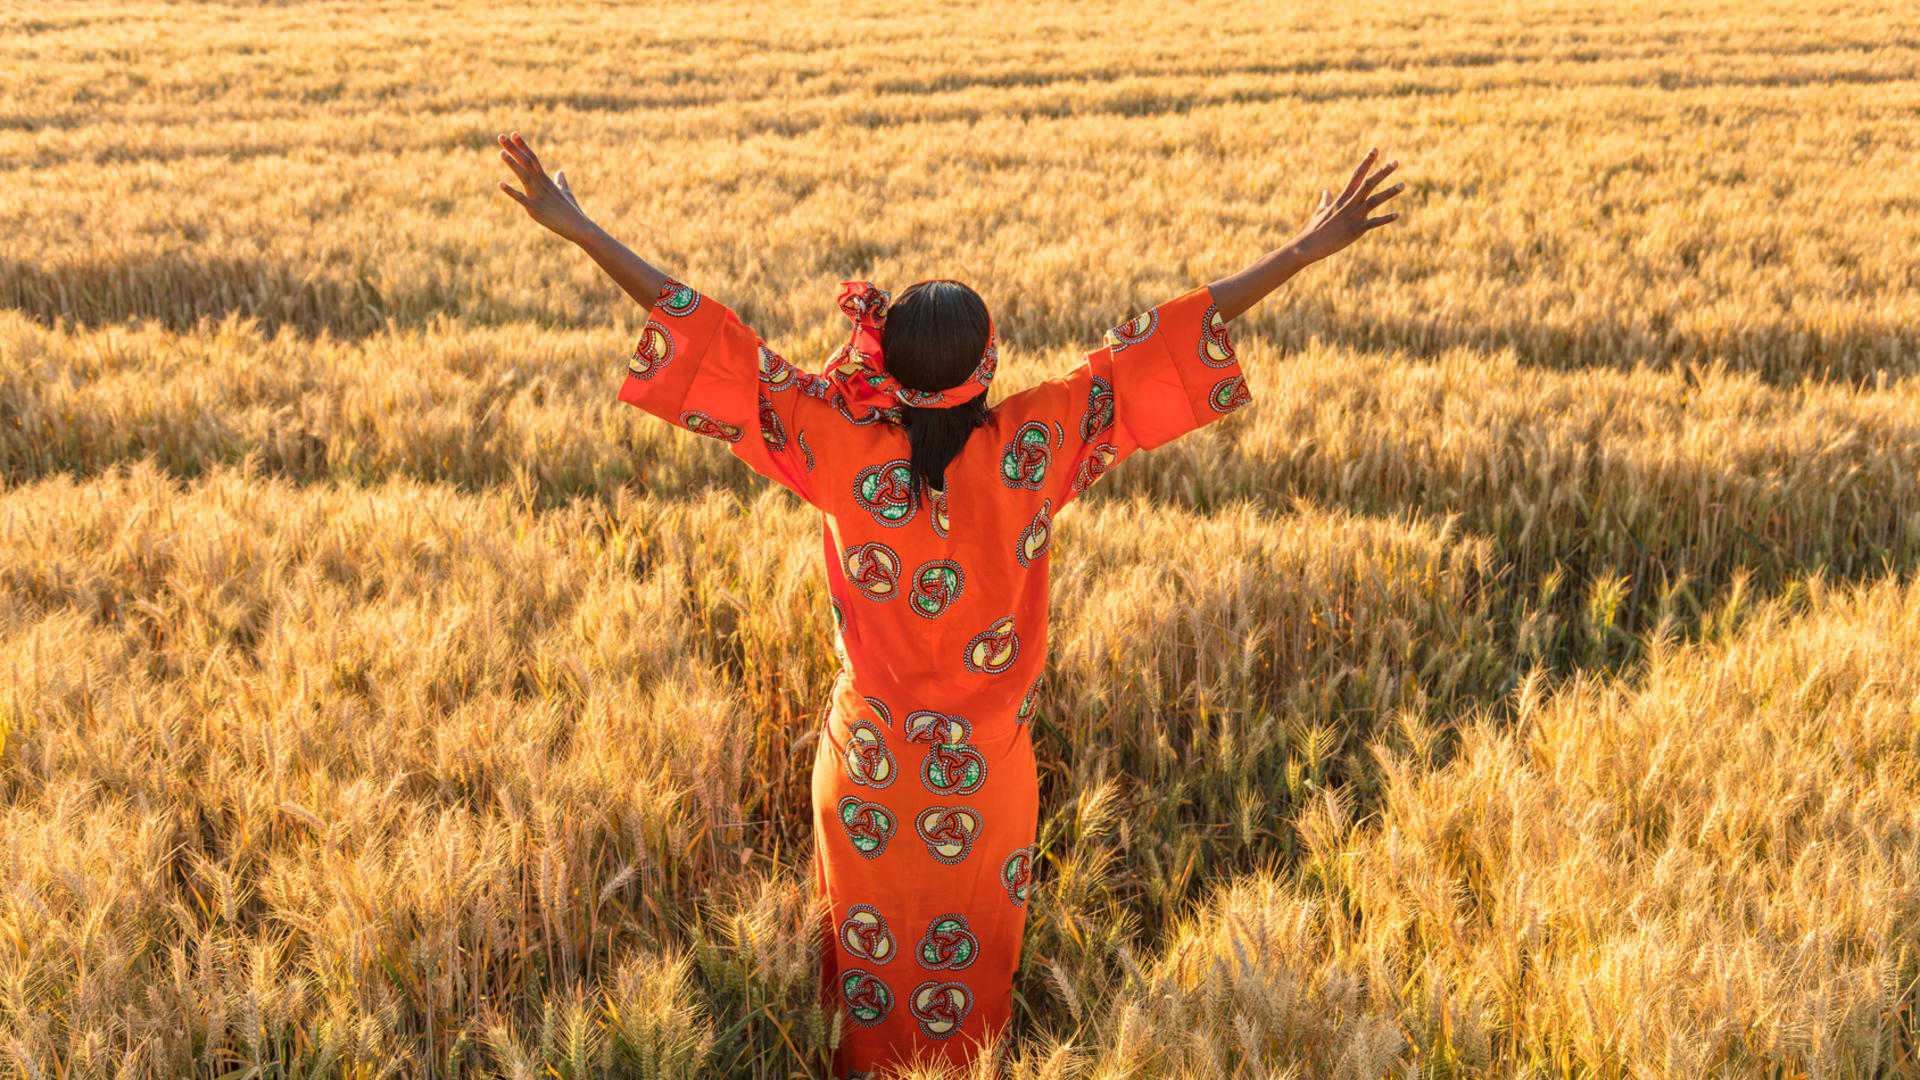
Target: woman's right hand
<point>549,201</point>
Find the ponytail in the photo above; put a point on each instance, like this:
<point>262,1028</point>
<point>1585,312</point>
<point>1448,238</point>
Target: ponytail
<point>935,333</point>
<point>936,436</point>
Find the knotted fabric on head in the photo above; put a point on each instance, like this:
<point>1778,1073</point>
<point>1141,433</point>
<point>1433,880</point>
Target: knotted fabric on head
<point>860,373</point>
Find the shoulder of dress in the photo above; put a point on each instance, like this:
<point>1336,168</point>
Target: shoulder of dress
<point>1043,398</point>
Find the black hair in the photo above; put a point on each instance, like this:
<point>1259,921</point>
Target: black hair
<point>935,334</point>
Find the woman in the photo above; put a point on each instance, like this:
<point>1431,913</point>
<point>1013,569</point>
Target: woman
<point>938,520</point>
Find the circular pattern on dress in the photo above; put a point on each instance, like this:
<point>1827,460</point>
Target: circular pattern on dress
<point>839,628</point>
<point>948,945</point>
<point>676,299</point>
<point>869,826</point>
<point>937,511</point>
<point>701,424</point>
<point>1215,349</point>
<point>772,431</point>
<point>814,385</point>
<point>948,831</point>
<point>1095,465</point>
<point>936,584</point>
<point>1027,703</point>
<point>941,1007</point>
<point>1023,462</point>
<point>991,651</point>
<point>934,728</point>
<point>1099,415</point>
<point>953,769</point>
<point>1133,331</point>
<point>867,758</point>
<point>1037,537</point>
<point>1229,394</point>
<point>865,935</point>
<point>867,998</point>
<point>651,352</point>
<point>880,708</point>
<point>1015,874</point>
<point>874,569</point>
<point>886,492</point>
<point>774,369</point>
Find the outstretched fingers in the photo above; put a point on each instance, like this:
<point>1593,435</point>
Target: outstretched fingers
<point>1373,181</point>
<point>510,154</point>
<point>1358,177</point>
<point>520,158</point>
<point>513,163</point>
<point>1379,197</point>
<point>532,159</point>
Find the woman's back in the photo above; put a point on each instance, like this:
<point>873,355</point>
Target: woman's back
<point>925,792</point>
<point>940,598</point>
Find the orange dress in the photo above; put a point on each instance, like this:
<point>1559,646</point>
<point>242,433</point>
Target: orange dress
<point>924,791</point>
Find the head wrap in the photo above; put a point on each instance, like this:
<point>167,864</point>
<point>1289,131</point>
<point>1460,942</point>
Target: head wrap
<point>859,372</point>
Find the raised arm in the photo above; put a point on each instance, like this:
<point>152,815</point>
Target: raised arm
<point>1335,224</point>
<point>695,364</point>
<point>1169,370</point>
<point>550,202</point>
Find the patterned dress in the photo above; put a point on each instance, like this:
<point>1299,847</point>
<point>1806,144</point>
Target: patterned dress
<point>924,790</point>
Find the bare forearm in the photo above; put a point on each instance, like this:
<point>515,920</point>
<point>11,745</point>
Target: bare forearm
<point>1335,223</point>
<point>1235,293</point>
<point>639,278</point>
<point>550,201</point>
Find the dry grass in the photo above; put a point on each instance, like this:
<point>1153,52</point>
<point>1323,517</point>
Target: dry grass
<point>1520,688</point>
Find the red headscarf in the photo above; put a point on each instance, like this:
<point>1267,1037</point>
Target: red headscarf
<point>860,373</point>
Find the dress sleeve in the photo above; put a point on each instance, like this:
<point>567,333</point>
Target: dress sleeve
<point>698,367</point>
<point>1160,375</point>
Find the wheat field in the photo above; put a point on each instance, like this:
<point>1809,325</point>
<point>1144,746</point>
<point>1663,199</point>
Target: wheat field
<point>1521,687</point>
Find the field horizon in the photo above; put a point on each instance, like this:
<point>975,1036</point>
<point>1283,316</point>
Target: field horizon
<point>1521,686</point>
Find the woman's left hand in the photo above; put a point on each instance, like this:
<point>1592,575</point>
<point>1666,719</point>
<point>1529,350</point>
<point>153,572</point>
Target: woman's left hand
<point>1337,222</point>
<point>549,201</point>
